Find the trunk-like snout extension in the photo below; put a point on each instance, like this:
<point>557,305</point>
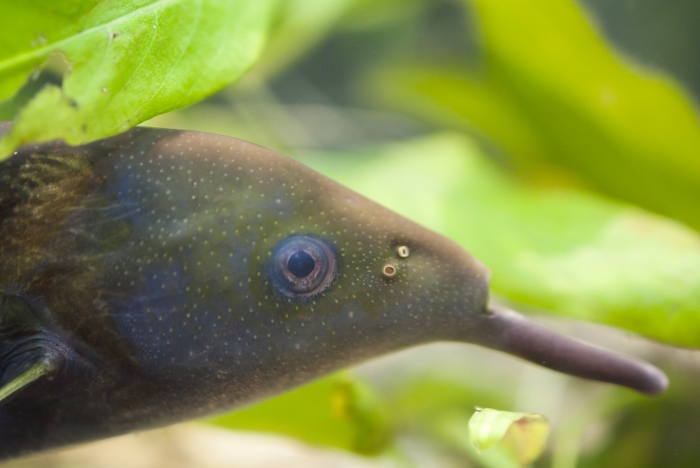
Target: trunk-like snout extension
<point>510,332</point>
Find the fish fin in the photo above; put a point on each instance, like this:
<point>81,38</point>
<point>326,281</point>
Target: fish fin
<point>16,318</point>
<point>35,372</point>
<point>23,361</point>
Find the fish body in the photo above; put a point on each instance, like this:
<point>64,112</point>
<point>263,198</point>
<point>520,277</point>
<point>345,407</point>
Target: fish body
<point>163,275</point>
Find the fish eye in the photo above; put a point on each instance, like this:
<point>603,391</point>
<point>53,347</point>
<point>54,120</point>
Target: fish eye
<point>302,266</point>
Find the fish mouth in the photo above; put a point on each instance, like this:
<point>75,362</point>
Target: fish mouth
<point>505,330</point>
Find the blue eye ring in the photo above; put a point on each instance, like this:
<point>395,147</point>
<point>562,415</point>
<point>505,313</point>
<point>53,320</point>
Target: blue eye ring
<point>302,266</point>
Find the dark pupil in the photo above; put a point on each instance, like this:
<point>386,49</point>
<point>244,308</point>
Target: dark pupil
<point>301,264</point>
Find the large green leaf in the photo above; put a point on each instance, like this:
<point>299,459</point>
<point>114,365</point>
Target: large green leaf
<point>566,251</point>
<point>127,61</point>
<point>552,91</point>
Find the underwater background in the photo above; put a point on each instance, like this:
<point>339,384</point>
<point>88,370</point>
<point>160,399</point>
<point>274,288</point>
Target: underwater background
<point>559,142</point>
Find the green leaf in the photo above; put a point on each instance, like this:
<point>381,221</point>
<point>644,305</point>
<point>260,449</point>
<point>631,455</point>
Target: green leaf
<point>339,410</point>
<point>126,61</point>
<point>522,435</point>
<point>566,251</point>
<point>553,92</point>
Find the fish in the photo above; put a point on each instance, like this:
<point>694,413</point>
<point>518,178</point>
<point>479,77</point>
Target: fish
<point>163,275</point>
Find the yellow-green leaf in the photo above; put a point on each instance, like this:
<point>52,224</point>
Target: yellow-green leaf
<point>522,435</point>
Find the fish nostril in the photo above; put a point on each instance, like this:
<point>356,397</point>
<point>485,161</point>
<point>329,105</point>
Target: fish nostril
<point>402,251</point>
<point>389,271</point>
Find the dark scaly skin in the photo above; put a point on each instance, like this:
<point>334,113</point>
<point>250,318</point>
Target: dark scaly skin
<point>139,265</point>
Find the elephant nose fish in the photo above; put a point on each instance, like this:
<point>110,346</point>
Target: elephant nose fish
<point>162,275</point>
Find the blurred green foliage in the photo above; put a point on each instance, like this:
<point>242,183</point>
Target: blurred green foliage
<point>339,410</point>
<point>551,91</point>
<point>565,146</point>
<point>654,433</point>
